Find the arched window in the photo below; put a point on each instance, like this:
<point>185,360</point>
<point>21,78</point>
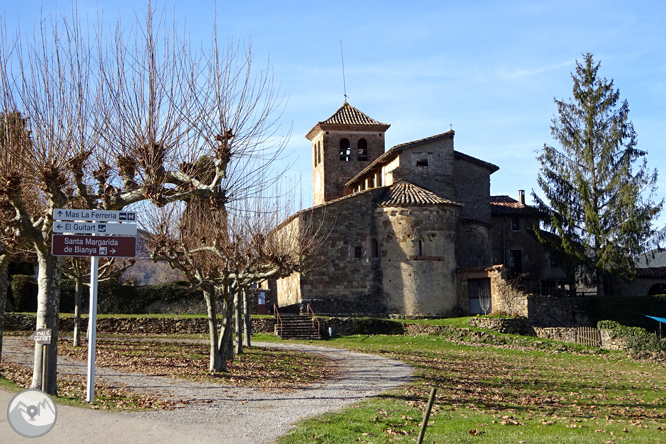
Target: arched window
<point>345,150</point>
<point>362,149</point>
<point>420,248</point>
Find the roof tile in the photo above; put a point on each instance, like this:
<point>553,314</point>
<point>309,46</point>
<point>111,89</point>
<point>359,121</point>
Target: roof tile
<point>348,115</point>
<point>403,193</point>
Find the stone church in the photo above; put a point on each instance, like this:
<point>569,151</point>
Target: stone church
<point>409,228</point>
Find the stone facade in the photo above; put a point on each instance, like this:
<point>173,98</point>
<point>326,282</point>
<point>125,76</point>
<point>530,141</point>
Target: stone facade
<point>515,245</point>
<point>648,281</point>
<point>410,229</point>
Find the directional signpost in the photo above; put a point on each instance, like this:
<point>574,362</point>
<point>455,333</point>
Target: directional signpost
<point>93,228</point>
<point>95,242</point>
<point>102,246</point>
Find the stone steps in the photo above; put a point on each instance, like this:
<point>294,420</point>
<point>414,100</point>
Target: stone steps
<point>297,327</point>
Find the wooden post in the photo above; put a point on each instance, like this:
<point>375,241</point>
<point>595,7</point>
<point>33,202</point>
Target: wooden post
<point>431,400</point>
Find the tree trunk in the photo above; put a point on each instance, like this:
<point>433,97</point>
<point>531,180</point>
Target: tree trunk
<point>247,322</point>
<point>215,363</point>
<point>237,321</point>
<point>4,263</point>
<point>78,292</point>
<point>600,284</point>
<point>48,302</point>
<point>226,337</point>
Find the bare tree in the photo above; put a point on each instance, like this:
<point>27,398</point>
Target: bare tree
<point>226,252</point>
<point>117,121</point>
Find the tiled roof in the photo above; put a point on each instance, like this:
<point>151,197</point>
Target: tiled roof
<point>506,206</point>
<point>347,116</point>
<point>403,193</point>
<point>505,201</point>
<point>652,272</point>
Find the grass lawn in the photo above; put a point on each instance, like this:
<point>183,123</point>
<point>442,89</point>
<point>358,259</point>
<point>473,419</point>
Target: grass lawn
<point>501,394</point>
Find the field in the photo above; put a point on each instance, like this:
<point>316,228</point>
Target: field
<point>491,388</point>
<point>538,392</point>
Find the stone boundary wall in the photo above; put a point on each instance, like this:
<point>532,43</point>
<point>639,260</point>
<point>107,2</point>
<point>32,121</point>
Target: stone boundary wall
<point>21,322</point>
<point>502,325</point>
<point>569,335</point>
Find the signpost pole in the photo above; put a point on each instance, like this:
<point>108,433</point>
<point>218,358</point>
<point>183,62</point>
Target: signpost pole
<point>45,363</point>
<point>92,328</point>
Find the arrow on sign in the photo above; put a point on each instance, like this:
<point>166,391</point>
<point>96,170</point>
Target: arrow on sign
<point>113,250</point>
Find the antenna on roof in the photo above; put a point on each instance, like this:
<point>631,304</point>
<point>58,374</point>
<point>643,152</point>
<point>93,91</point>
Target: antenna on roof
<point>344,83</point>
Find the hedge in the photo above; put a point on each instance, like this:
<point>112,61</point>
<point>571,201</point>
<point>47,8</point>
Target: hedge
<point>112,297</point>
<point>635,338</point>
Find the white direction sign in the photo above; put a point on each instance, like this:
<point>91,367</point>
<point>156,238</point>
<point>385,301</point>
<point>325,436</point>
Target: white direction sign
<point>42,336</point>
<point>93,228</point>
<point>96,215</point>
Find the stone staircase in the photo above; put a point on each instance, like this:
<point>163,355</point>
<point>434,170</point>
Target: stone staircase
<point>291,326</point>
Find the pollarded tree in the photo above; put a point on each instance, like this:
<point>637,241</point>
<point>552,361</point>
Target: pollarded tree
<point>114,121</point>
<point>597,186</point>
<point>225,252</point>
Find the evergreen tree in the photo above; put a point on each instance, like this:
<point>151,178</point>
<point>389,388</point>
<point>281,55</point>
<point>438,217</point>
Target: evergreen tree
<point>597,186</point>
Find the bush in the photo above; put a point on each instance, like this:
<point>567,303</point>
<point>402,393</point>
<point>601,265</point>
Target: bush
<point>636,338</point>
<point>24,293</point>
<point>114,298</point>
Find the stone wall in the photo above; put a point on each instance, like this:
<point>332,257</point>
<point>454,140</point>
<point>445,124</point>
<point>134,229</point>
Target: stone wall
<point>553,312</point>
<point>330,176</point>
<point>20,322</point>
<point>502,325</point>
<point>343,275</point>
<point>427,165</point>
<point>418,283</point>
<point>640,286</point>
<point>472,189</point>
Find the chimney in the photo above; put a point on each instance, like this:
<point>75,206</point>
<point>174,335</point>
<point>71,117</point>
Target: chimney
<point>521,197</point>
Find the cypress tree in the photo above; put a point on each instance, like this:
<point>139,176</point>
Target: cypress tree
<point>599,192</point>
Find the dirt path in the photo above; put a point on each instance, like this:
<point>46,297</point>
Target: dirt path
<point>216,413</point>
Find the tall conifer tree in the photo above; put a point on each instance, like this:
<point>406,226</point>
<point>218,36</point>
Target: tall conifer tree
<point>597,186</point>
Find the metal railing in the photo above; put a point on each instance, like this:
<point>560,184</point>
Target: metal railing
<point>314,318</point>
<point>278,318</point>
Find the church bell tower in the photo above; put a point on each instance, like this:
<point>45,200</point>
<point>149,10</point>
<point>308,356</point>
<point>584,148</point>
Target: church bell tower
<point>342,146</point>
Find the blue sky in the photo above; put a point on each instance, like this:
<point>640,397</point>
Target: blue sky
<point>489,69</point>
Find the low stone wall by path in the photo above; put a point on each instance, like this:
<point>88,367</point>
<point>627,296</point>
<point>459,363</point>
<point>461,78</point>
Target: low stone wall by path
<point>135,325</point>
<point>502,325</point>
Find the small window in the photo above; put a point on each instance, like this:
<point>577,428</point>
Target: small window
<point>358,252</point>
<point>374,248</point>
<point>423,163</point>
<point>345,150</point>
<point>318,153</point>
<point>515,262</point>
<point>362,149</point>
<point>515,223</point>
<point>420,248</point>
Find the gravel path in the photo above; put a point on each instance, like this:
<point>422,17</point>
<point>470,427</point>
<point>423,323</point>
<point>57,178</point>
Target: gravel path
<point>216,413</point>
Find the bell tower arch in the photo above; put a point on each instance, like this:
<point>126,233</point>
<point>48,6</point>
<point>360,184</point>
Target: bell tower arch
<point>342,146</point>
